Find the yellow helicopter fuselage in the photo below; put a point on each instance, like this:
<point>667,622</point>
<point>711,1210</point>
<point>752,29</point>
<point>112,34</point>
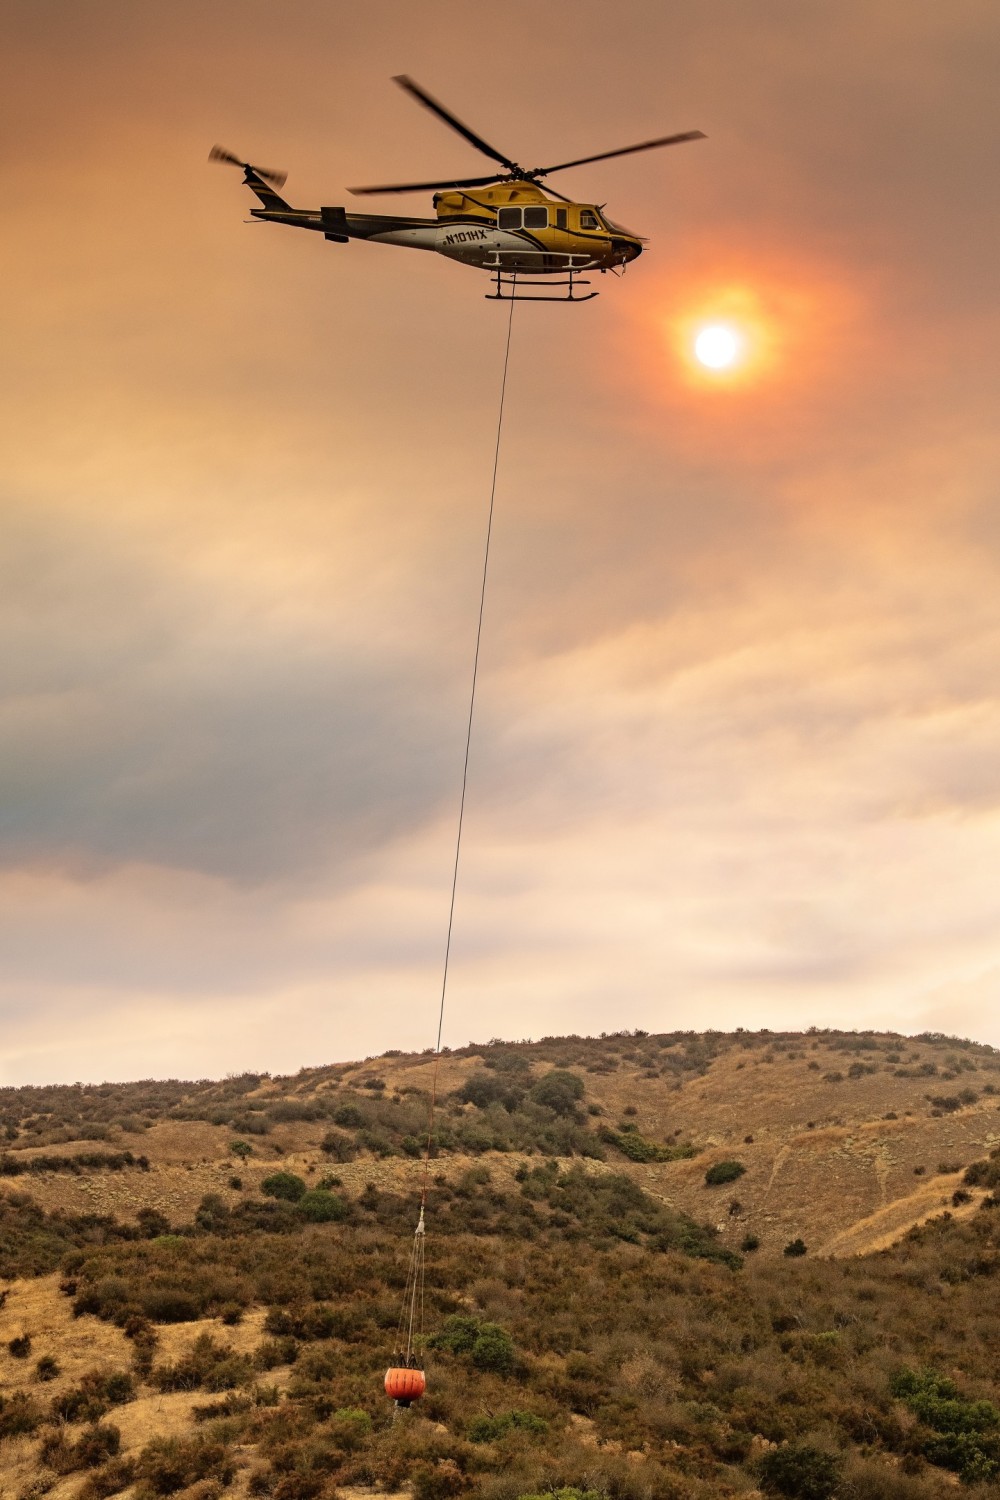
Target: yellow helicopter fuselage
<point>515,226</point>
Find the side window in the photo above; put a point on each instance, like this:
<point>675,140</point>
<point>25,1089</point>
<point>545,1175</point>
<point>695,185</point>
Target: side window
<point>588,220</point>
<point>560,218</point>
<point>509,218</point>
<point>536,218</point>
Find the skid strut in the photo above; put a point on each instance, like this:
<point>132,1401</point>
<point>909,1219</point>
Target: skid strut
<point>508,280</point>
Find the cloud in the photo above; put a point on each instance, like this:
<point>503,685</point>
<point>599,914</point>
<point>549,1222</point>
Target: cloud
<point>736,737</point>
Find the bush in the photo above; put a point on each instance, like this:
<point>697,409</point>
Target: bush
<point>321,1207</point>
<point>171,1464</point>
<point>283,1185</point>
<point>91,1398</point>
<point>95,1445</point>
<point>350,1427</point>
<point>567,1492</point>
<point>339,1146</point>
<point>113,1477</point>
<point>207,1366</point>
<point>965,1435</point>
<point>800,1471</point>
<point>350,1117</point>
<point>724,1171</point>
<point>559,1091</point>
<point>488,1429</point>
<point>20,1415</point>
<point>636,1147</point>
<point>985,1173</point>
<point>437,1481</point>
<point>489,1346</point>
<point>795,1247</point>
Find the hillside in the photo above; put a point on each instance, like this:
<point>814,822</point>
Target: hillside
<point>854,1138</point>
<point>202,1279</point>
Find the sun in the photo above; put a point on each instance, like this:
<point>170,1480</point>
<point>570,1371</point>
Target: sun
<point>719,346</point>
<point>726,337</point>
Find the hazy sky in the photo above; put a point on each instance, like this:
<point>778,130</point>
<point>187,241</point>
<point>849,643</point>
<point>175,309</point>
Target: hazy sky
<point>737,753</point>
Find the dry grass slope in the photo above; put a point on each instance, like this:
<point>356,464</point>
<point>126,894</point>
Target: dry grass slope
<point>648,1375</point>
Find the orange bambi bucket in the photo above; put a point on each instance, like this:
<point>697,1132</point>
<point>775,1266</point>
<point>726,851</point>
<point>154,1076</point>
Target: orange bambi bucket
<point>405,1385</point>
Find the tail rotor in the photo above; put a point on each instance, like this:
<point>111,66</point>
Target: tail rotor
<point>219,153</point>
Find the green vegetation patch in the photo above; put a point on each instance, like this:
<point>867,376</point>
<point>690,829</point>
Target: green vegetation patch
<point>800,1471</point>
<point>487,1345</point>
<point>962,1435</point>
<point>490,1429</point>
<point>636,1147</point>
<point>724,1171</point>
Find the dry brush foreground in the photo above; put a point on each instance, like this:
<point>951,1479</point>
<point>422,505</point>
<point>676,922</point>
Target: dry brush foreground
<point>671,1266</point>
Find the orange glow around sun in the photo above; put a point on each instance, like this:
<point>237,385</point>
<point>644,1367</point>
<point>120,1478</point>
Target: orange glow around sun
<point>728,337</point>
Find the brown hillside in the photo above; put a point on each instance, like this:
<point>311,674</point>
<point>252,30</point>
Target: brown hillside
<point>842,1143</point>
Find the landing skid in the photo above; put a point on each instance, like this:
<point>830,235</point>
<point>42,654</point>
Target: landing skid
<point>507,288</point>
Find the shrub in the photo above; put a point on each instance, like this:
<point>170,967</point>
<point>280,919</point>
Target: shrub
<point>46,1368</point>
<point>339,1146</point>
<point>206,1365</point>
<point>349,1428</point>
<point>171,1464</point>
<point>636,1147</point>
<point>964,1436</point>
<point>437,1481</point>
<point>20,1346</point>
<point>349,1116</point>
<point>488,1429</point>
<point>321,1207</point>
<point>985,1173</point>
<point>91,1398</point>
<point>795,1247</point>
<point>20,1414</point>
<point>95,1445</point>
<point>567,1492</point>
<point>113,1477</point>
<point>242,1149</point>
<point>283,1185</point>
<point>724,1171</point>
<point>559,1091</point>
<point>489,1346</point>
<point>800,1471</point>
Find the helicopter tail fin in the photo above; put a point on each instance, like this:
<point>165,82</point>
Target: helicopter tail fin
<point>258,179</point>
<point>269,196</point>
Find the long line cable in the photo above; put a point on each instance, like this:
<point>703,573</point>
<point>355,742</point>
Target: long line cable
<point>468,746</point>
<point>411,1314</point>
<point>475,674</point>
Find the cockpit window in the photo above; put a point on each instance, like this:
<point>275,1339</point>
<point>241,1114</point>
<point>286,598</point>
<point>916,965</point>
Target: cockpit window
<point>536,218</point>
<point>509,218</point>
<point>588,220</point>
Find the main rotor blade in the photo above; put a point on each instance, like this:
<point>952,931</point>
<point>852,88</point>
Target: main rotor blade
<point>423,187</point>
<point>663,140</point>
<point>432,104</point>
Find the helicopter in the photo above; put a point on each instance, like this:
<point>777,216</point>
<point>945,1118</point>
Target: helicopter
<point>504,223</point>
